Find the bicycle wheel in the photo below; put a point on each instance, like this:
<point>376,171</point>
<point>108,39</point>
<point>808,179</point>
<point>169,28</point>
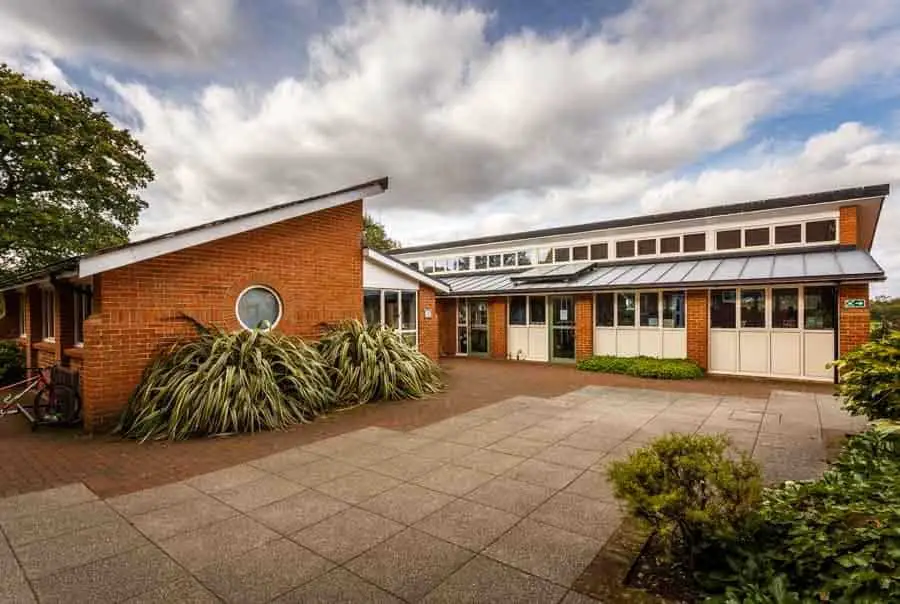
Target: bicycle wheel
<point>57,404</point>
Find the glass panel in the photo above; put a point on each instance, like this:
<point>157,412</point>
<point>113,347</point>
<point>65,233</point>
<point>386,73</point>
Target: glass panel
<point>580,252</point>
<point>599,251</point>
<point>563,309</point>
<point>258,308</point>
<point>624,249</point>
<point>818,308</point>
<point>728,240</point>
<point>756,236</point>
<point>537,309</point>
<point>372,306</point>
<point>625,310</point>
<point>526,258</point>
<point>605,313</point>
<point>784,308</point>
<point>480,262</point>
<point>509,259</point>
<point>462,312</point>
<point>670,245</point>
<point>789,233</point>
<point>414,265</point>
<point>479,341</point>
<point>646,247</point>
<point>723,309</point>
<point>753,308</point>
<point>673,309</point>
<point>408,311</point>
<point>392,309</point>
<point>544,255</point>
<point>440,265</point>
<point>410,338</point>
<point>518,309</point>
<point>695,242</point>
<point>494,261</point>
<point>821,230</point>
<point>561,254</point>
<point>428,266</point>
<point>479,313</point>
<point>649,309</point>
<point>462,340</point>
<point>463,263</point>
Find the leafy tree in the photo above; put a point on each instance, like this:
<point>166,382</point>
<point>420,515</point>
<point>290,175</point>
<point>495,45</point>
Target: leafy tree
<point>68,176</point>
<point>375,235</point>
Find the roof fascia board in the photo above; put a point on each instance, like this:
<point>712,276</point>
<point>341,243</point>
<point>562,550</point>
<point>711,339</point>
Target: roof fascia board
<point>138,252</point>
<point>400,267</point>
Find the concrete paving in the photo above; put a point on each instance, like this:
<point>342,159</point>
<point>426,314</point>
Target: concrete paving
<point>506,503</point>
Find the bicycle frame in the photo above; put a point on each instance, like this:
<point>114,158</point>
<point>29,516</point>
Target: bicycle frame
<point>11,400</point>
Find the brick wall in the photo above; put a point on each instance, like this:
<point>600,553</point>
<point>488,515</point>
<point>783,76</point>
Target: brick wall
<point>848,225</point>
<point>313,262</point>
<point>429,328</point>
<point>584,326</point>
<point>497,326</point>
<point>853,323</point>
<point>698,326</point>
<point>446,309</point>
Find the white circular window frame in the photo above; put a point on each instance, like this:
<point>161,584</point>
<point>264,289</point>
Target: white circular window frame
<point>237,304</point>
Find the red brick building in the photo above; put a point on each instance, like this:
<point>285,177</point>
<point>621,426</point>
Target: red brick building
<point>299,266</point>
<point>772,288</point>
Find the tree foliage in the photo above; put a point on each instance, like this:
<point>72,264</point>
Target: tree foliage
<point>68,176</point>
<point>376,236</point>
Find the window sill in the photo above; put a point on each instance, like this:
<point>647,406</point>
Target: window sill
<point>76,352</point>
<point>45,345</point>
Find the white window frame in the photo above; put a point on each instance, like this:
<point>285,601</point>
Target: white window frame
<point>637,308</point>
<point>23,308</point>
<point>79,297</point>
<point>381,318</point>
<point>48,314</point>
<point>237,302</point>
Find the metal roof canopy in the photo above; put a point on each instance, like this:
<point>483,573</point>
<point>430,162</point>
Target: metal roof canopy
<point>557,272</point>
<point>801,267</point>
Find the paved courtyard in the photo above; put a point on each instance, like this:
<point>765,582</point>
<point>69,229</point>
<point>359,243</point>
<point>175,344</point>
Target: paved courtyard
<point>503,503</point>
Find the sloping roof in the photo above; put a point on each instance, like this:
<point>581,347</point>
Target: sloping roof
<point>800,267</point>
<point>404,269</point>
<point>137,251</point>
<point>774,203</point>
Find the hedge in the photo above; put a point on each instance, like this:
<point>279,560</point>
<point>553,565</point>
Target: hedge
<point>648,367</point>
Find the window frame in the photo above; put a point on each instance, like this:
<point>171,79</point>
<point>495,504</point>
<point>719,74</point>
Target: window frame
<point>23,318</point>
<point>677,239</point>
<point>381,310</point>
<point>766,229</point>
<point>624,242</point>
<point>81,295</point>
<point>237,302</point>
<point>48,314</point>
<point>806,224</point>
<point>730,231</point>
<point>651,241</point>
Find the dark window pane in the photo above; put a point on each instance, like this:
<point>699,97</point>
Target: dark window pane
<point>408,310</point>
<point>580,252</point>
<point>545,255</point>
<point>537,308</point>
<point>646,247</point>
<point>599,251</point>
<point>673,309</point>
<point>414,265</point>
<point>494,261</point>
<point>722,309</point>
<point>753,308</point>
<point>440,265</point>
<point>624,249</point>
<point>821,230</point>
<point>650,309</point>
<point>518,310</point>
<point>670,245</point>
<point>695,242</point>
<point>561,254</point>
<point>625,310</point>
<point>428,266</point>
<point>462,312</point>
<point>784,308</point>
<point>818,308</point>
<point>462,263</point>
<point>789,233</point>
<point>756,236</point>
<point>392,309</point>
<point>525,258</point>
<point>605,312</point>
<point>257,308</point>
<point>480,262</point>
<point>509,259</point>
<point>728,240</point>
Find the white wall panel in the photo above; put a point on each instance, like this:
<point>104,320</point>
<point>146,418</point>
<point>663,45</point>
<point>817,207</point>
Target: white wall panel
<point>723,351</point>
<point>786,353</point>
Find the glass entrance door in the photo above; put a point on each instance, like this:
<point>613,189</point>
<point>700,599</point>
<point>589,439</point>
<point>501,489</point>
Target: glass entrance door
<point>472,327</point>
<point>562,328</point>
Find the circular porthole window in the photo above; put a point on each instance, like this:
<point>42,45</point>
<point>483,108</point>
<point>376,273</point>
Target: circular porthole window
<point>258,307</point>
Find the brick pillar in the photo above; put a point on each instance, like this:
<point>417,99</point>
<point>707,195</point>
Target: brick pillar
<point>497,326</point>
<point>848,226</point>
<point>853,323</point>
<point>584,326</point>
<point>429,323</point>
<point>446,309</point>
<point>698,326</point>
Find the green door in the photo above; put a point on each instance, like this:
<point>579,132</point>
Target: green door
<point>562,328</point>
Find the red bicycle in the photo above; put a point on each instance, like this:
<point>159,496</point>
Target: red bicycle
<point>53,403</point>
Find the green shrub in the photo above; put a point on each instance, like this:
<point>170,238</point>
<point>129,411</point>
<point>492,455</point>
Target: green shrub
<point>688,488</point>
<point>12,362</point>
<point>375,363</point>
<point>870,379</point>
<point>648,367</point>
<point>836,539</point>
<point>226,382</point>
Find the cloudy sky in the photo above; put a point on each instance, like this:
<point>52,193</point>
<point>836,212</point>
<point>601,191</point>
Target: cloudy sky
<point>488,115</point>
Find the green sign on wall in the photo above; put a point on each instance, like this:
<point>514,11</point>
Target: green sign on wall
<point>855,303</point>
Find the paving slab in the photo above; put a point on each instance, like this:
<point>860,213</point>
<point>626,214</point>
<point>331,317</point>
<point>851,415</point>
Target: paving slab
<point>572,457</point>
<point>477,437</point>
<point>217,543</point>
<point>513,496</point>
<point>446,450</point>
<point>372,434</point>
<point>141,502</point>
<point>317,473</point>
<point>407,503</point>
<point>57,521</point>
<point>14,587</point>
<point>406,442</point>
<point>298,511</point>
<point>263,573</point>
<point>257,493</point>
<point>546,551</point>
<point>347,534</point>
<point>358,486</point>
<point>588,517</point>
<point>515,445</point>
<point>542,473</point>
<point>183,591</point>
<point>285,460</point>
<point>226,478</point>
<point>483,580</point>
<point>364,454</point>
<point>338,587</point>
<point>182,517</point>
<point>593,484</point>
<point>410,564</point>
<point>406,466</point>
<point>467,524</point>
<point>492,462</point>
<point>454,480</point>
<point>44,501</point>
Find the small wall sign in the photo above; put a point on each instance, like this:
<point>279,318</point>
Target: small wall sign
<point>855,303</point>
<point>427,312</point>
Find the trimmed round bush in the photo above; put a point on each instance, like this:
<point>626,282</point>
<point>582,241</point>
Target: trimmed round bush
<point>870,379</point>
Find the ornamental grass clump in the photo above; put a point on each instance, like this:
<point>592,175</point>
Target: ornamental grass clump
<point>375,363</point>
<point>227,382</point>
